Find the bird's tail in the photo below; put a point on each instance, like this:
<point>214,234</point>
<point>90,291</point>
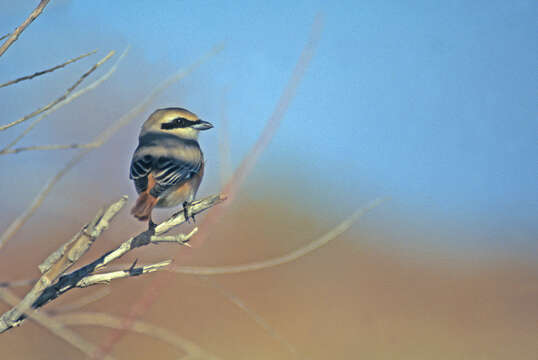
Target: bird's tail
<point>143,207</point>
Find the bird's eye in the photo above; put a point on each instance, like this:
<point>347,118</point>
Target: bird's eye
<point>181,122</point>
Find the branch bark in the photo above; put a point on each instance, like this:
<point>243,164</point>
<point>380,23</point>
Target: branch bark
<point>18,31</point>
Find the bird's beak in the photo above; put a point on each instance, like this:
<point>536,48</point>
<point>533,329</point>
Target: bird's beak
<point>202,125</point>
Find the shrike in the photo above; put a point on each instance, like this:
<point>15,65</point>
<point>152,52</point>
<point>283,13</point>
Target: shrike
<point>168,164</point>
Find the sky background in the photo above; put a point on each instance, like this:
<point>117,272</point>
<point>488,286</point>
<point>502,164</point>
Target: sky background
<point>430,103</point>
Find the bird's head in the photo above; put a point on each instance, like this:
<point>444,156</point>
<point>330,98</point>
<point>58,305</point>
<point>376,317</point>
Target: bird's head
<point>176,121</point>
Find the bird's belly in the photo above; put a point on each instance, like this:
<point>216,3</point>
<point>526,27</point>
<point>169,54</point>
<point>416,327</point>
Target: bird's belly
<point>176,195</point>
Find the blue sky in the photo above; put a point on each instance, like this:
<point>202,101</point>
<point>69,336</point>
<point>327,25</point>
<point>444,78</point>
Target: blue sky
<point>431,103</point>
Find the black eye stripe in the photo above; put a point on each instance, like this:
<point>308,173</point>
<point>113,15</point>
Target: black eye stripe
<point>179,122</point>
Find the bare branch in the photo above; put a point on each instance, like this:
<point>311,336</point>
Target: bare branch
<point>196,207</point>
<point>60,261</point>
<point>115,322</point>
<point>251,314</point>
<point>50,286</point>
<point>81,302</point>
<point>99,140</point>
<point>70,98</point>
<point>39,73</point>
<point>53,325</point>
<point>225,163</point>
<point>105,278</point>
<point>61,98</point>
<point>323,240</point>
<point>278,113</point>
<point>48,147</point>
<point>18,31</point>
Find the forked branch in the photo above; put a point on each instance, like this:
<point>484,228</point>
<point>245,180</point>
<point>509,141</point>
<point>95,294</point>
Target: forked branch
<point>54,282</point>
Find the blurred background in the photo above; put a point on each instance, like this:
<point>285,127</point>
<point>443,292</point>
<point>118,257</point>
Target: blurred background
<point>432,105</point>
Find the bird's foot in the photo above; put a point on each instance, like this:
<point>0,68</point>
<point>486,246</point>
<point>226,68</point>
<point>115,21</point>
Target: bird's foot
<point>151,226</point>
<point>187,213</point>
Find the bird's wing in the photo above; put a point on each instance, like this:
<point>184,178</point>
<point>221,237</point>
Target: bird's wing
<point>140,166</point>
<point>171,171</point>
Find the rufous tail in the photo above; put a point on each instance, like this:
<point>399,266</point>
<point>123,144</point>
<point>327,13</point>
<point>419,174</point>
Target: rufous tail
<point>143,207</point>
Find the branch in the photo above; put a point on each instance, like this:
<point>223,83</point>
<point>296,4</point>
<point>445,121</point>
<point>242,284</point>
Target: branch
<point>81,302</point>
<point>70,98</point>
<point>15,35</point>
<point>39,73</point>
<point>61,98</point>
<point>278,113</point>
<point>55,326</point>
<point>48,147</point>
<point>105,278</point>
<point>316,244</point>
<point>61,260</point>
<point>115,322</point>
<point>50,286</point>
<point>258,319</point>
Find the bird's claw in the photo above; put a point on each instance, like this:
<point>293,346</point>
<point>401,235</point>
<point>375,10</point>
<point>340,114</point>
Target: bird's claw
<point>151,226</point>
<point>188,215</point>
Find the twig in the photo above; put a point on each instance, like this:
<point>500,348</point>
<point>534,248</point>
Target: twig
<point>70,98</point>
<point>54,325</point>
<point>112,321</point>
<point>278,113</point>
<point>39,73</point>
<point>4,36</point>
<point>38,200</point>
<point>81,302</point>
<point>225,165</point>
<point>15,35</point>
<point>60,261</point>
<point>251,314</point>
<point>323,240</point>
<point>61,98</point>
<point>99,140</point>
<point>48,147</point>
<point>105,278</point>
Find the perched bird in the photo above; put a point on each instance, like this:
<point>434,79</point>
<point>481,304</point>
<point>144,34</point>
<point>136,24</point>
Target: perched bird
<point>168,164</point>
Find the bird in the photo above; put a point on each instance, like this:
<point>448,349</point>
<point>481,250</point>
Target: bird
<point>168,164</point>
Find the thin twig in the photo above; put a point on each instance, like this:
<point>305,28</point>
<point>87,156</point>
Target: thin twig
<point>61,98</point>
<point>57,327</point>
<point>99,140</point>
<point>70,98</point>
<point>278,113</point>
<point>15,35</point>
<point>323,240</point>
<point>39,73</point>
<point>112,321</point>
<point>225,164</point>
<point>81,302</point>
<point>38,200</point>
<point>251,314</point>
<point>49,147</point>
<point>4,36</point>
